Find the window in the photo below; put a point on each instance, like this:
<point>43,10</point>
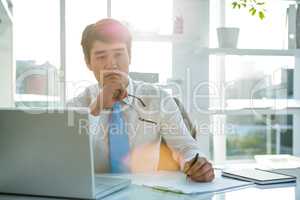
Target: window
<point>37,51</point>
<point>38,44</point>
<point>250,135</point>
<point>78,15</point>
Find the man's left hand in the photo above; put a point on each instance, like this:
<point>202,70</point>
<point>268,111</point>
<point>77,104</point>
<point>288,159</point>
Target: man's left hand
<point>201,171</point>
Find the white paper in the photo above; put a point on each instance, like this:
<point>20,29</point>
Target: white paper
<point>270,162</point>
<point>177,182</point>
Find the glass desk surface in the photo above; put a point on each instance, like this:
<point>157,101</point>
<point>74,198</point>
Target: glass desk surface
<point>289,191</point>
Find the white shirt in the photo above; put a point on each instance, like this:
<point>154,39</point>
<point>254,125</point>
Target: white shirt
<point>144,137</point>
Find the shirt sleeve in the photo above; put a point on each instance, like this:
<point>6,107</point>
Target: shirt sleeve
<point>172,128</point>
<point>98,124</point>
<point>82,100</point>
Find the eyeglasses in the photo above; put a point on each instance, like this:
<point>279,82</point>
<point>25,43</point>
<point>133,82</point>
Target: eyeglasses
<point>144,105</point>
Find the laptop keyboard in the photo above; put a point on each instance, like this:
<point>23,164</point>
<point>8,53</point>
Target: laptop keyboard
<point>100,183</point>
<point>104,183</point>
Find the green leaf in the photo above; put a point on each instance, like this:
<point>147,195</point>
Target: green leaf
<point>261,3</point>
<point>239,6</point>
<point>244,5</point>
<point>234,4</point>
<point>261,15</point>
<point>253,12</point>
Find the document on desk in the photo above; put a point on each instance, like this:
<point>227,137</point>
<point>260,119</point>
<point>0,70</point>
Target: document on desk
<point>177,182</point>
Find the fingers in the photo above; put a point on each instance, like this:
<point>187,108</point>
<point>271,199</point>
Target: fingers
<point>114,84</point>
<point>115,89</point>
<point>201,171</point>
<point>119,92</point>
<point>115,81</point>
<point>114,76</point>
<point>199,163</point>
<point>125,94</point>
<point>187,166</point>
<point>111,92</point>
<point>95,108</point>
<point>206,177</point>
<point>97,105</point>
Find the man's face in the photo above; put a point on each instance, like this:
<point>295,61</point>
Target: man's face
<point>109,61</point>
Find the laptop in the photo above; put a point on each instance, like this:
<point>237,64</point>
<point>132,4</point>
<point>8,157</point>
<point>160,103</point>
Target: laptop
<point>49,153</point>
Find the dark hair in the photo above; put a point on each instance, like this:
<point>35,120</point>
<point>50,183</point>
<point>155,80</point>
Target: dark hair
<point>106,30</point>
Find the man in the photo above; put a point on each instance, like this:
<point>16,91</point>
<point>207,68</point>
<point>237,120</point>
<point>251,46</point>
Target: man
<point>129,118</point>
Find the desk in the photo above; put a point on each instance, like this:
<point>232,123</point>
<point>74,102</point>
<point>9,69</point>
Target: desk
<point>134,192</point>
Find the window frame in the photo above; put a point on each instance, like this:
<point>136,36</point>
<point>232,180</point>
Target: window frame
<point>137,37</point>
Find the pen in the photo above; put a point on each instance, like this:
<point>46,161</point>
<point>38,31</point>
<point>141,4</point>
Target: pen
<point>193,162</point>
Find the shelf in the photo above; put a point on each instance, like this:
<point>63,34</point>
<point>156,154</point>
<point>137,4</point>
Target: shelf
<point>253,52</point>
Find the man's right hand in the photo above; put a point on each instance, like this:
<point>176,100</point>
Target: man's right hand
<point>114,90</point>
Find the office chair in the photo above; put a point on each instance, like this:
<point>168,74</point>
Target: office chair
<point>166,161</point>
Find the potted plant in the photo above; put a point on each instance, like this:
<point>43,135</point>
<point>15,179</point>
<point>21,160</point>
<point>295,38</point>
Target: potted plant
<point>228,36</point>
